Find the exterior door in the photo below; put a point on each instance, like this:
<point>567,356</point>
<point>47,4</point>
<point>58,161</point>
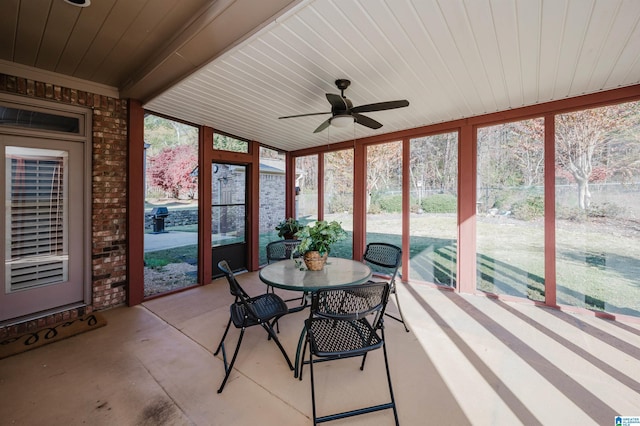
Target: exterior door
<point>42,192</point>
<point>228,216</point>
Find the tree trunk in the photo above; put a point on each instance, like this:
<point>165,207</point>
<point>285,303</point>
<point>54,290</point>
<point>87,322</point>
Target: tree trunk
<point>584,195</point>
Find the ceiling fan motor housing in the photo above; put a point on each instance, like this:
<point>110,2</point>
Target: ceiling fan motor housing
<point>342,83</point>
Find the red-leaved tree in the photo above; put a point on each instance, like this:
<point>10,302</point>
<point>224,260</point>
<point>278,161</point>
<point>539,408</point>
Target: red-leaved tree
<point>171,170</point>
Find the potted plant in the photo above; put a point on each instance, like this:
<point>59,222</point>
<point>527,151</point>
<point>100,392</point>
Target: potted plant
<point>288,228</point>
<point>316,240</point>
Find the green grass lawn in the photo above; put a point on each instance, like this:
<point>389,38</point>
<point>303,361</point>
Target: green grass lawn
<point>596,268</point>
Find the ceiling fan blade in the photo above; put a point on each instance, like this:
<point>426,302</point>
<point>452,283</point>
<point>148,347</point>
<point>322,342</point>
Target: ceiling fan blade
<point>323,126</point>
<point>305,115</point>
<point>337,102</point>
<point>366,121</point>
<point>381,106</point>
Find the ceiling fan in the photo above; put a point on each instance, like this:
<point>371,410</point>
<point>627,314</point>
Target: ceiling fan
<point>344,113</point>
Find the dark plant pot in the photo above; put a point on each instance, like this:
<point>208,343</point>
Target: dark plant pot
<point>314,261</point>
<point>289,236</point>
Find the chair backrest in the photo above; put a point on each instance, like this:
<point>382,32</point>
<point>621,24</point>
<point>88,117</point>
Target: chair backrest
<point>242,298</point>
<point>282,250</point>
<point>234,287</point>
<point>350,302</point>
<point>384,255</point>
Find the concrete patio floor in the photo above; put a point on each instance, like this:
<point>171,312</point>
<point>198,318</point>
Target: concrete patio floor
<point>467,360</point>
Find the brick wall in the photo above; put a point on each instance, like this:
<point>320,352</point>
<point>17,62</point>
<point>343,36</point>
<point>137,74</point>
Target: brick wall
<point>108,188</point>
<point>272,200</point>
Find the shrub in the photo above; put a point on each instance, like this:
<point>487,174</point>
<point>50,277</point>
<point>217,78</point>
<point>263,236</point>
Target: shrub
<point>374,208</point>
<point>440,203</point>
<point>340,203</point>
<point>504,199</point>
<point>573,214</point>
<point>156,263</point>
<point>530,208</point>
<point>391,203</point>
<point>605,209</point>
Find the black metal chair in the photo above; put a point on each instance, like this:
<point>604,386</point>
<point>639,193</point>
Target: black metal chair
<point>263,310</point>
<point>387,258</point>
<point>283,250</point>
<point>339,327</point>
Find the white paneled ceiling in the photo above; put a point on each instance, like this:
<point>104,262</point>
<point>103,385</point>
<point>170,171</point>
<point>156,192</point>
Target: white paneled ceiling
<point>450,58</point>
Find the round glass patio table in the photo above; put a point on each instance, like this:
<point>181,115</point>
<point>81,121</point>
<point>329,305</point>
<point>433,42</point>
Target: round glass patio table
<point>291,274</point>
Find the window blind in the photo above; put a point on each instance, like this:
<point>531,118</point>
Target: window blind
<point>37,236</point>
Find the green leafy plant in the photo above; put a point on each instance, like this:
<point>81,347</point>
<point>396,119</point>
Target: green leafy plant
<point>319,236</point>
<point>288,227</point>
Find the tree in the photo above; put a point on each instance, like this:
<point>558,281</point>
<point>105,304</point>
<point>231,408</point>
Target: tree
<point>583,137</point>
<point>384,168</point>
<point>510,163</point>
<point>171,170</point>
<point>498,164</point>
<point>434,163</point>
<point>227,143</point>
<point>307,166</point>
<point>527,145</point>
<point>161,133</point>
<point>338,180</point>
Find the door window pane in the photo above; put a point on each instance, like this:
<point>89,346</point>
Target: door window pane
<point>510,215</point>
<point>36,218</point>
<point>434,207</point>
<point>38,120</point>
<point>598,208</point>
<point>228,214</point>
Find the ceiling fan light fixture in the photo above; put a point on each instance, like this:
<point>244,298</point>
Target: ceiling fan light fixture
<point>344,120</point>
<point>79,3</point>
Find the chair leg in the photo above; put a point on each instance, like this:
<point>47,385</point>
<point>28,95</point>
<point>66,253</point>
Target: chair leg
<point>224,335</point>
<point>401,319</point>
<point>386,364</point>
<point>304,353</point>
<point>275,321</point>
<point>391,404</point>
<point>272,333</point>
<point>364,358</point>
<point>313,389</point>
<point>233,360</point>
<point>300,361</point>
